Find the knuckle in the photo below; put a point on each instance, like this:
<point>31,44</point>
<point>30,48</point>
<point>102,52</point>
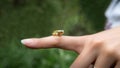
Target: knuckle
<point>109,51</point>
<point>94,43</point>
<point>97,42</point>
<point>57,41</point>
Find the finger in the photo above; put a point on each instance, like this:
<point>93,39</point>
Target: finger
<point>85,59</point>
<point>65,42</point>
<point>117,65</point>
<point>104,61</point>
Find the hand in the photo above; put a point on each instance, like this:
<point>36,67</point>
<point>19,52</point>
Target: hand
<point>103,48</point>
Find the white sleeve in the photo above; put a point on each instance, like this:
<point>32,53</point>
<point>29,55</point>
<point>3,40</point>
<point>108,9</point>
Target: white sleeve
<point>113,14</point>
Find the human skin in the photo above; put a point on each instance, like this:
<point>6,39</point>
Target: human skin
<point>103,47</point>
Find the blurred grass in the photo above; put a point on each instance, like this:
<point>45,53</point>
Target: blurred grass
<point>38,18</point>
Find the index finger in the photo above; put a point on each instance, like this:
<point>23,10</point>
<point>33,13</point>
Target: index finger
<point>64,42</point>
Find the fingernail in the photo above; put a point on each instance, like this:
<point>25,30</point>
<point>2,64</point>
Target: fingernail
<point>27,41</point>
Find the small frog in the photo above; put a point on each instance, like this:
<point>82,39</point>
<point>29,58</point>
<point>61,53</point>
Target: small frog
<point>58,33</point>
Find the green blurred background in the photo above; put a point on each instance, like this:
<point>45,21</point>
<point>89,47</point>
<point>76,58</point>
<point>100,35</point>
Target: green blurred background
<point>21,19</point>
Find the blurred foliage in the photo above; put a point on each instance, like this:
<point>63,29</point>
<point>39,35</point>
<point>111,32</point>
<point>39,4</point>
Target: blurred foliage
<point>38,18</point>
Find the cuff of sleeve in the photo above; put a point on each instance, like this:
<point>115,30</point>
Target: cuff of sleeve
<point>115,24</point>
<point>110,25</point>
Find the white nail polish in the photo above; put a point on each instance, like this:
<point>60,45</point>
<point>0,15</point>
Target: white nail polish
<point>26,41</point>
